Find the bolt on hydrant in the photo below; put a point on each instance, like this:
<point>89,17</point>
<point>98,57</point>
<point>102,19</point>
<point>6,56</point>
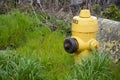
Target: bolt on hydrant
<point>83,39</point>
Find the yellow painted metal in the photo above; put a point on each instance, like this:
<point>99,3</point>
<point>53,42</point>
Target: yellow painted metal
<point>84,31</point>
<point>84,13</point>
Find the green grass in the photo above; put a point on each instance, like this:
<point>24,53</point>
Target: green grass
<point>95,68</point>
<point>13,66</point>
<point>49,47</point>
<point>116,70</point>
<point>14,28</point>
<point>37,53</point>
<point>32,37</point>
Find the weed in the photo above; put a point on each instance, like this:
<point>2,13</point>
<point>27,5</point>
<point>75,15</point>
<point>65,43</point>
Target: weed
<point>112,13</point>
<point>49,47</point>
<point>13,66</point>
<point>95,68</point>
<point>14,28</point>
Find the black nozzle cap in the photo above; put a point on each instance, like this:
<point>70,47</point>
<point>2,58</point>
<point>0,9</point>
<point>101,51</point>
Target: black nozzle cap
<point>70,45</point>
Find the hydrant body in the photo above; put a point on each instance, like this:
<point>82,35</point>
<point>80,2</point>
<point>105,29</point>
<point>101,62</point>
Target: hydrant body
<point>83,40</point>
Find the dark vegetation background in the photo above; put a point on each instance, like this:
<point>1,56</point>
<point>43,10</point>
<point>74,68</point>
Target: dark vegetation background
<point>64,8</point>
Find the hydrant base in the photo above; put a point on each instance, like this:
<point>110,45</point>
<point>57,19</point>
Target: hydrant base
<point>80,56</point>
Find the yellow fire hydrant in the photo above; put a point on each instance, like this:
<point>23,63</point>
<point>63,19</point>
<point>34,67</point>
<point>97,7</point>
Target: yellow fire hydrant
<point>83,40</point>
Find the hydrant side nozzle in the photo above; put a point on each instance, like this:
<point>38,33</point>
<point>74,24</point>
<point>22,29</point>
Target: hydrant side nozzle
<point>70,45</point>
<point>93,44</point>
